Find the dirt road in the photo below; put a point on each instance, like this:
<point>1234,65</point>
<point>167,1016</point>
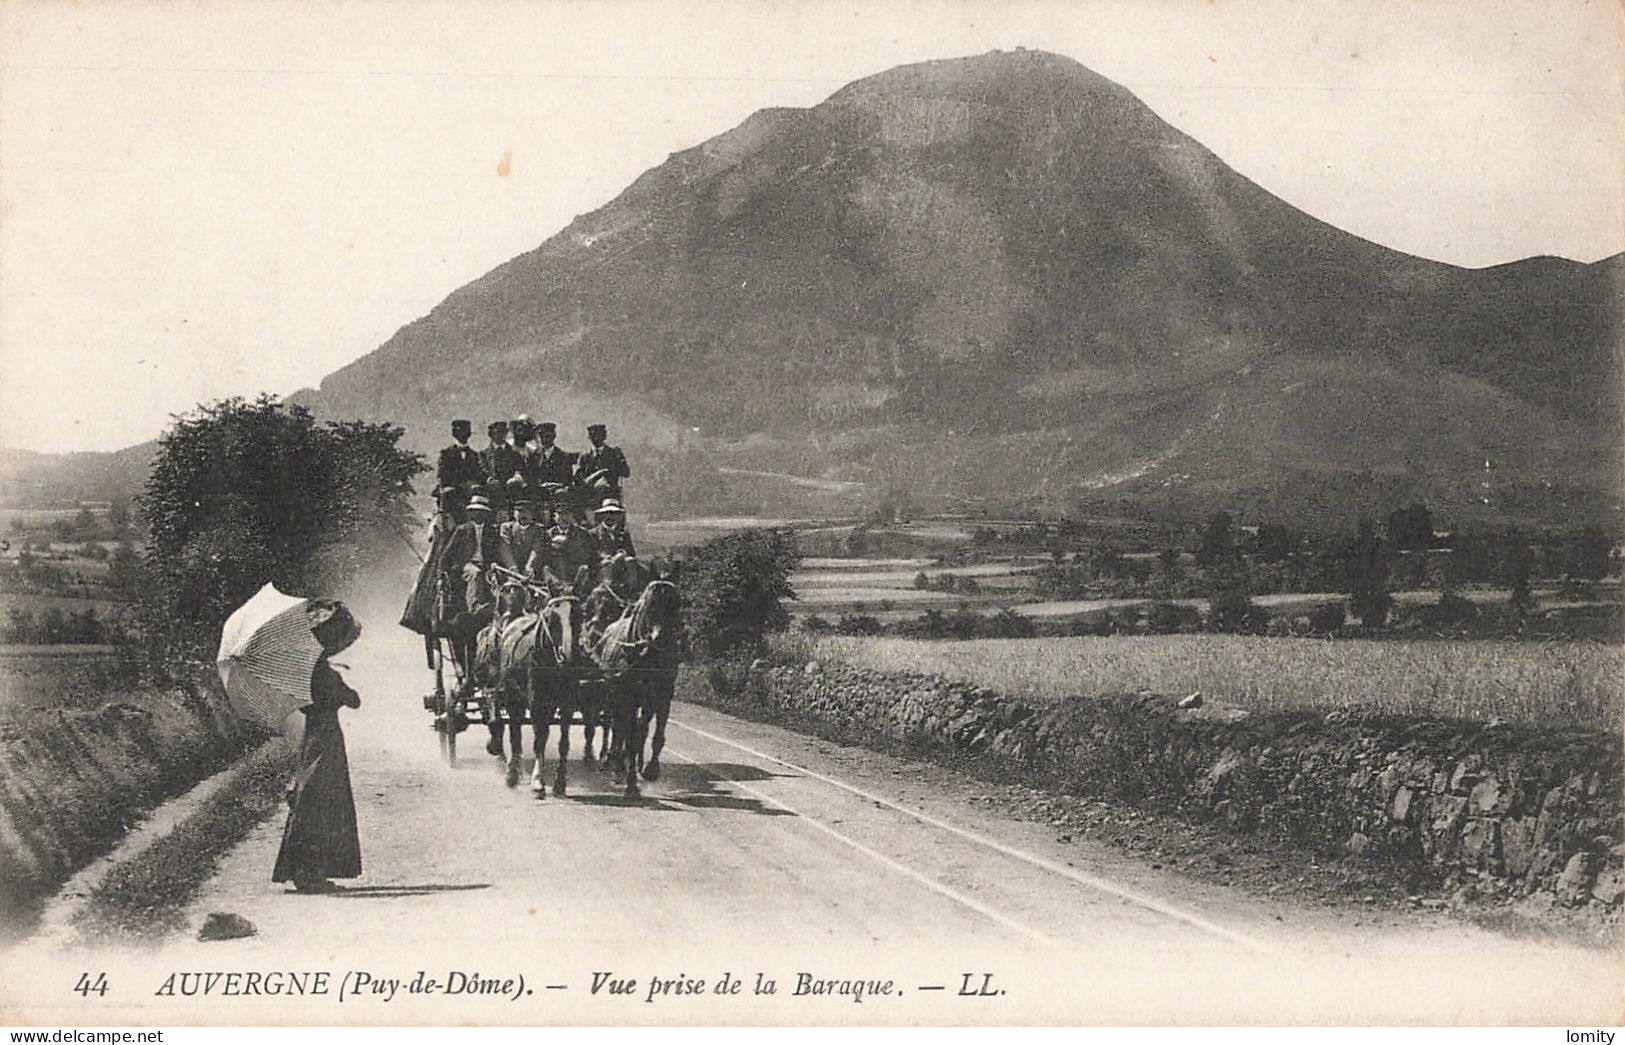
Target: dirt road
<point>875,886</point>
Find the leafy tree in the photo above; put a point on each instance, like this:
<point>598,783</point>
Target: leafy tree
<point>1411,529</point>
<point>242,493</point>
<point>1275,542</point>
<point>124,569</point>
<point>1368,577</point>
<point>734,587</point>
<point>1218,547</point>
<point>1518,565</point>
<point>1587,559</point>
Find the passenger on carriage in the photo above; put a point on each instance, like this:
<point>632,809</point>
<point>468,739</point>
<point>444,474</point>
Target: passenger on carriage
<point>549,465</point>
<point>601,468</point>
<point>474,545</point>
<point>499,462</point>
<point>458,468</point>
<point>524,535</point>
<point>610,535</point>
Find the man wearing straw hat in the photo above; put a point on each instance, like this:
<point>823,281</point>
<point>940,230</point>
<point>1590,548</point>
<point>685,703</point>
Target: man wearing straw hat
<point>610,534</point>
<point>475,545</point>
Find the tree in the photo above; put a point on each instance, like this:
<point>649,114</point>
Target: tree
<point>1411,529</point>
<point>1218,547</point>
<point>1518,565</point>
<point>1368,577</point>
<point>1275,542</point>
<point>734,587</point>
<point>124,569</point>
<point>242,493</point>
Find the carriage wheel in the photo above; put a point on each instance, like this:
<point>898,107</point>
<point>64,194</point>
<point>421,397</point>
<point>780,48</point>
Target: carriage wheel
<point>448,738</point>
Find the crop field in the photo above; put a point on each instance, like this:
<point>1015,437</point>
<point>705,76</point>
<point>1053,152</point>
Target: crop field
<point>1560,683</point>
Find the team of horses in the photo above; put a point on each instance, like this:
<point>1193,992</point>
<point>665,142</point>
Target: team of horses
<point>534,659</point>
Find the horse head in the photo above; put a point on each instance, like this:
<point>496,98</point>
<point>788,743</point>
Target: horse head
<point>561,617</point>
<point>512,600</point>
<point>656,614</point>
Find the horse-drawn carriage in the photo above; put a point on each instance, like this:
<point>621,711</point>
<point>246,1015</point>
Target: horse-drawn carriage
<point>532,658</point>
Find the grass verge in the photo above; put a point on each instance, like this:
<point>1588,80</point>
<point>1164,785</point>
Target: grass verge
<point>145,897</point>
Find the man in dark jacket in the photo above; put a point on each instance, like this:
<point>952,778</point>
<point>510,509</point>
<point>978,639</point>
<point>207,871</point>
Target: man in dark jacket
<point>499,462</point>
<point>458,469</point>
<point>474,545</point>
<point>601,468</point>
<point>610,534</point>
<point>549,464</point>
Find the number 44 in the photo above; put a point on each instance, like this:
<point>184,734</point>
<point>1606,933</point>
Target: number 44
<point>86,986</point>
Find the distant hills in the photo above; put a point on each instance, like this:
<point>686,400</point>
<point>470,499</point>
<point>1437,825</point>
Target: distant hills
<point>1004,281</point>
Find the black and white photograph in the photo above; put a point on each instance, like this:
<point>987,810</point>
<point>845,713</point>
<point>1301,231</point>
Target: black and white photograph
<point>710,513</point>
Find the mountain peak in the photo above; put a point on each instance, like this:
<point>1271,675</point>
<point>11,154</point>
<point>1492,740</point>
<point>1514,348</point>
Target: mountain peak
<point>1013,246</point>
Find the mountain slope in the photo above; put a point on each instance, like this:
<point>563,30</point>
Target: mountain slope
<point>1012,249</point>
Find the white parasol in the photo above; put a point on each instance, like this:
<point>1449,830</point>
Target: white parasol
<point>267,655</point>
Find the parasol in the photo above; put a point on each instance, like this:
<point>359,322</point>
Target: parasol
<point>267,655</point>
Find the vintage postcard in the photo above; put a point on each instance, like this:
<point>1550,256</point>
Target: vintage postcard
<point>887,513</point>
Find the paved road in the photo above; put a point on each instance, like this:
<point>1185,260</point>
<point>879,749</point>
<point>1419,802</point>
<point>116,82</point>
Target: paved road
<point>762,851</point>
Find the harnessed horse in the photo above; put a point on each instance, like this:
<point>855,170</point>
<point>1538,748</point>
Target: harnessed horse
<point>540,664</point>
<point>638,655</point>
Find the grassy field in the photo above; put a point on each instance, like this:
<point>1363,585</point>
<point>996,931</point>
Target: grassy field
<point>1552,684</point>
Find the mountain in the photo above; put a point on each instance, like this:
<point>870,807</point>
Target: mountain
<point>1003,280</point>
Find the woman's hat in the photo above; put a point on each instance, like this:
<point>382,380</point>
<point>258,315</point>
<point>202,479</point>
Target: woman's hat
<point>610,505</point>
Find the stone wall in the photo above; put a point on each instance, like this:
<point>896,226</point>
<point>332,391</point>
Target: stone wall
<point>1512,811</point>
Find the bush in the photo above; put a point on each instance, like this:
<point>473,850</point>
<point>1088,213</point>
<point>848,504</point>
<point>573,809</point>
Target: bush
<point>734,587</point>
<point>1233,612</point>
<point>1328,619</point>
<point>1167,618</point>
<point>815,625</point>
<point>857,624</point>
<point>1008,624</point>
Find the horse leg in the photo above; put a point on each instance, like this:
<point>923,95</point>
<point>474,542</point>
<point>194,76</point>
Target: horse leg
<point>566,708</point>
<point>634,739</point>
<point>538,728</point>
<point>661,710</point>
<point>584,701</point>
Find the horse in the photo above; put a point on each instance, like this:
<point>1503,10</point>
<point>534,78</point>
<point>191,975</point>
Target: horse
<point>638,655</point>
<point>541,664</point>
<point>501,704</point>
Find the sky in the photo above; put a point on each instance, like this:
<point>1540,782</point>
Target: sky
<point>207,199</point>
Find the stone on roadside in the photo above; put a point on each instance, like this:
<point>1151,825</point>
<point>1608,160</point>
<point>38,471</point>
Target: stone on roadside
<point>223,925</point>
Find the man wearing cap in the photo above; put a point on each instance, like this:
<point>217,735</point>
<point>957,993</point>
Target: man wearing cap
<point>610,535</point>
<point>524,536</point>
<point>458,468</point>
<point>499,462</point>
<point>601,468</point>
<point>549,464</point>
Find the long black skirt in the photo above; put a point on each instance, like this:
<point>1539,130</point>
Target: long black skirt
<point>320,839</point>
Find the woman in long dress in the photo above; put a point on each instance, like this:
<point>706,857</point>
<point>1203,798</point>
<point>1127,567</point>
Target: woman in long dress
<point>320,840</point>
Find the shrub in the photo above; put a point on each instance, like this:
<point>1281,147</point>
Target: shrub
<point>1166,618</point>
<point>734,587</point>
<point>1008,624</point>
<point>857,624</point>
<point>1233,612</point>
<point>1328,619</point>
